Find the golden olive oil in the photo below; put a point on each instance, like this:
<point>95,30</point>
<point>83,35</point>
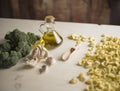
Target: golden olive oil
<point>52,39</point>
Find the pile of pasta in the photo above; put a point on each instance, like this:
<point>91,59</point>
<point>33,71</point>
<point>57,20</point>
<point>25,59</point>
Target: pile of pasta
<point>103,63</point>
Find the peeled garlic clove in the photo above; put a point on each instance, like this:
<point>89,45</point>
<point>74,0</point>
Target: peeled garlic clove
<point>43,69</point>
<point>67,54</point>
<point>50,61</point>
<point>43,53</point>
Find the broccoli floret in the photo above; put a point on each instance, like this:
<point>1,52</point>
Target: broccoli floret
<point>11,60</point>
<point>16,36</point>
<point>13,53</point>
<point>24,48</point>
<point>4,55</point>
<point>19,54</point>
<point>32,38</point>
<point>5,46</point>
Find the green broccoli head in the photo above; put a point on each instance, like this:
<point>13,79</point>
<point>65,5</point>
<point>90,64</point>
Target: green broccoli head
<point>18,45</point>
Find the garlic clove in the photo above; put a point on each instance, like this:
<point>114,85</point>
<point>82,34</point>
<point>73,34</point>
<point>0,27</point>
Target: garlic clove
<point>50,61</point>
<point>43,69</point>
<point>43,53</point>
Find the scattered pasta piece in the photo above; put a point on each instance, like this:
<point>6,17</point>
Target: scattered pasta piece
<point>77,38</point>
<point>81,77</point>
<point>74,80</point>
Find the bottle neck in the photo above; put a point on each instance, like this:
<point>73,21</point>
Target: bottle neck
<point>50,26</point>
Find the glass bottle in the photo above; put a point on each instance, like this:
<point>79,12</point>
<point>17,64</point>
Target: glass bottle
<point>50,36</point>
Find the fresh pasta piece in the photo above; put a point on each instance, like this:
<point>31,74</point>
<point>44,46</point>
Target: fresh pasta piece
<point>74,80</point>
<point>81,77</point>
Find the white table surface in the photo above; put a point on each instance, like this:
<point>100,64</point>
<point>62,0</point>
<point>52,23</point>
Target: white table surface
<point>18,78</point>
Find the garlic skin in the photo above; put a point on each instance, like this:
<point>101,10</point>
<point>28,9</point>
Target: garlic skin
<point>31,63</point>
<point>50,61</point>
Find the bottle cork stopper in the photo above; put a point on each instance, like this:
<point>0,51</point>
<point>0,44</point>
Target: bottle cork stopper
<point>49,18</point>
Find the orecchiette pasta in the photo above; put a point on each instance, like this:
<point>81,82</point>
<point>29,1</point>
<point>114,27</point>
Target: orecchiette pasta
<point>103,64</point>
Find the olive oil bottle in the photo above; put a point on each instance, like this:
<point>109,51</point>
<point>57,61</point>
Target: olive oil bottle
<point>51,37</point>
